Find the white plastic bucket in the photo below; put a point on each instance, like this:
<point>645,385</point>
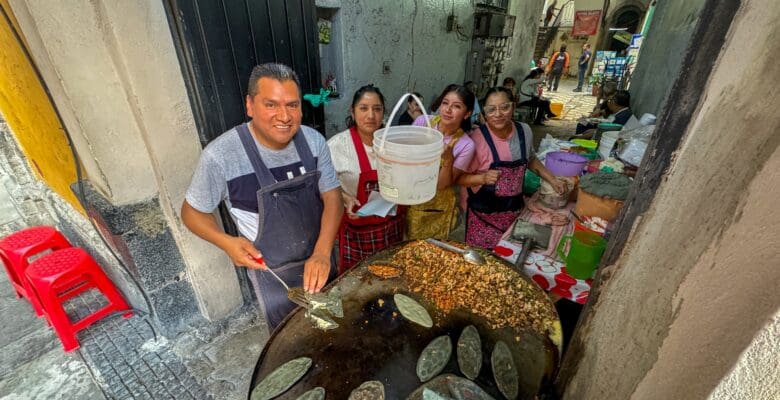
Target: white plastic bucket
<point>608,140</point>
<point>408,159</point>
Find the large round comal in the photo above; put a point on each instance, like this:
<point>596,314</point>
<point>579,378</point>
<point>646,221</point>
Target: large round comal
<point>374,342</point>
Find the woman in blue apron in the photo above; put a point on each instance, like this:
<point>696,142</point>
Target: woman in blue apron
<point>502,153</point>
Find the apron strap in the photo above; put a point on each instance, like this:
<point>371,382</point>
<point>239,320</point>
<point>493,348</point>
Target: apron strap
<point>262,173</point>
<point>489,141</point>
<point>520,128</point>
<point>304,152</point>
<point>365,165</point>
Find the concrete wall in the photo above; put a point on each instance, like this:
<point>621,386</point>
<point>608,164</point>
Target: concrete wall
<point>115,78</point>
<point>662,53</point>
<point>411,35</point>
<point>34,120</point>
<point>524,39</point>
<point>756,375</point>
<point>697,278</point>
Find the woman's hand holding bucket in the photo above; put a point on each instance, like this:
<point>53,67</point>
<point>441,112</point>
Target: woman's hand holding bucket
<point>447,157</point>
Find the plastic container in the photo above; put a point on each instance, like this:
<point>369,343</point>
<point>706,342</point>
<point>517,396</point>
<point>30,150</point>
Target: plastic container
<point>408,159</point>
<point>550,198</point>
<point>606,127</point>
<point>592,155</point>
<point>581,227</point>
<point>561,163</point>
<point>633,152</point>
<point>585,251</point>
<point>597,206</point>
<point>557,109</point>
<point>588,144</point>
<point>607,142</point>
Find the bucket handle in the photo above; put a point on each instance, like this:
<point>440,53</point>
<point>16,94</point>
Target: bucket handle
<point>392,117</point>
<point>565,239</point>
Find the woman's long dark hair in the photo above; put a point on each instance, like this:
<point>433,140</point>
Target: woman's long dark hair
<point>370,88</point>
<point>466,96</point>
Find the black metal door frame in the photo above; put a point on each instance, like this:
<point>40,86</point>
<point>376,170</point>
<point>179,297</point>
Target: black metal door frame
<point>218,42</point>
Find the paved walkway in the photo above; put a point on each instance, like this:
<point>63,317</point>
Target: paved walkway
<point>575,106</point>
<point>32,363</point>
<point>118,358</point>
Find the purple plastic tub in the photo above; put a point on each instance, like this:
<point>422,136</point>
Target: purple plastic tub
<point>561,163</point>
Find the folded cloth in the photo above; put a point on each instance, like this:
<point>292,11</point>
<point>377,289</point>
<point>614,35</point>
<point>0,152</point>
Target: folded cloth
<point>376,205</point>
<point>558,220</point>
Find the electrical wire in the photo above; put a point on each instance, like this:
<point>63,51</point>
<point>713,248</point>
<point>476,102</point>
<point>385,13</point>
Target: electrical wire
<point>82,198</point>
<point>459,32</point>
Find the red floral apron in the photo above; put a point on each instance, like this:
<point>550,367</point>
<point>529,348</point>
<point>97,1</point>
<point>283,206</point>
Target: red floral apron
<point>364,236</point>
<point>494,208</point>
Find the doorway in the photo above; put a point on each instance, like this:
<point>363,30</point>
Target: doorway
<point>625,21</point>
<point>218,44</point>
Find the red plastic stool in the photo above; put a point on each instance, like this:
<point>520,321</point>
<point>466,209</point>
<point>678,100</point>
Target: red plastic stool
<point>17,248</point>
<point>63,274</point>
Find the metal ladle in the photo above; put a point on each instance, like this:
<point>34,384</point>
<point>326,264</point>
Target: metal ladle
<point>468,254</point>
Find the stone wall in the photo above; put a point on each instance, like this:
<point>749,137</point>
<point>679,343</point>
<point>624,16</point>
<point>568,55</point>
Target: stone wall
<point>113,74</point>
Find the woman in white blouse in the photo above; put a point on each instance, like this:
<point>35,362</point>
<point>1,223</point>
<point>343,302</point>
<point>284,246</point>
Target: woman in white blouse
<point>355,163</point>
<point>530,96</point>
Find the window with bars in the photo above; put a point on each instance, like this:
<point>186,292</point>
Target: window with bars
<point>502,4</point>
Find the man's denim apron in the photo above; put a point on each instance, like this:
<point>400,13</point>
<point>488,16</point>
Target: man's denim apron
<point>289,216</point>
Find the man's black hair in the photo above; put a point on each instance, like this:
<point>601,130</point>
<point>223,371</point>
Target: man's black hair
<point>622,98</point>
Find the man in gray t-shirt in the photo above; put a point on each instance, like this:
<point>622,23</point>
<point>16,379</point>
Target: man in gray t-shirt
<point>280,187</point>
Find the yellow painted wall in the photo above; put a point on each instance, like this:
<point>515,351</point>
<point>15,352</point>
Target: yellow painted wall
<point>31,116</point>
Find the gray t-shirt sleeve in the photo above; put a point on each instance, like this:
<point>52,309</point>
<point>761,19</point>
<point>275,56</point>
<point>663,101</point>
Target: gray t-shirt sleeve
<point>328,179</point>
<point>514,145</point>
<point>208,186</point>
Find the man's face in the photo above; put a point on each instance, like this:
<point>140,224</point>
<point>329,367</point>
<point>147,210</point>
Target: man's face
<point>613,107</point>
<point>275,111</point>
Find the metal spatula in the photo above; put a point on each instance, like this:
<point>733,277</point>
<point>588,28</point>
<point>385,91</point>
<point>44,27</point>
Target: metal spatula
<point>532,235</point>
<point>297,295</point>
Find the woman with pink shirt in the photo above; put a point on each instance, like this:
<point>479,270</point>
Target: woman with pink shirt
<point>437,217</point>
<point>502,152</point>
